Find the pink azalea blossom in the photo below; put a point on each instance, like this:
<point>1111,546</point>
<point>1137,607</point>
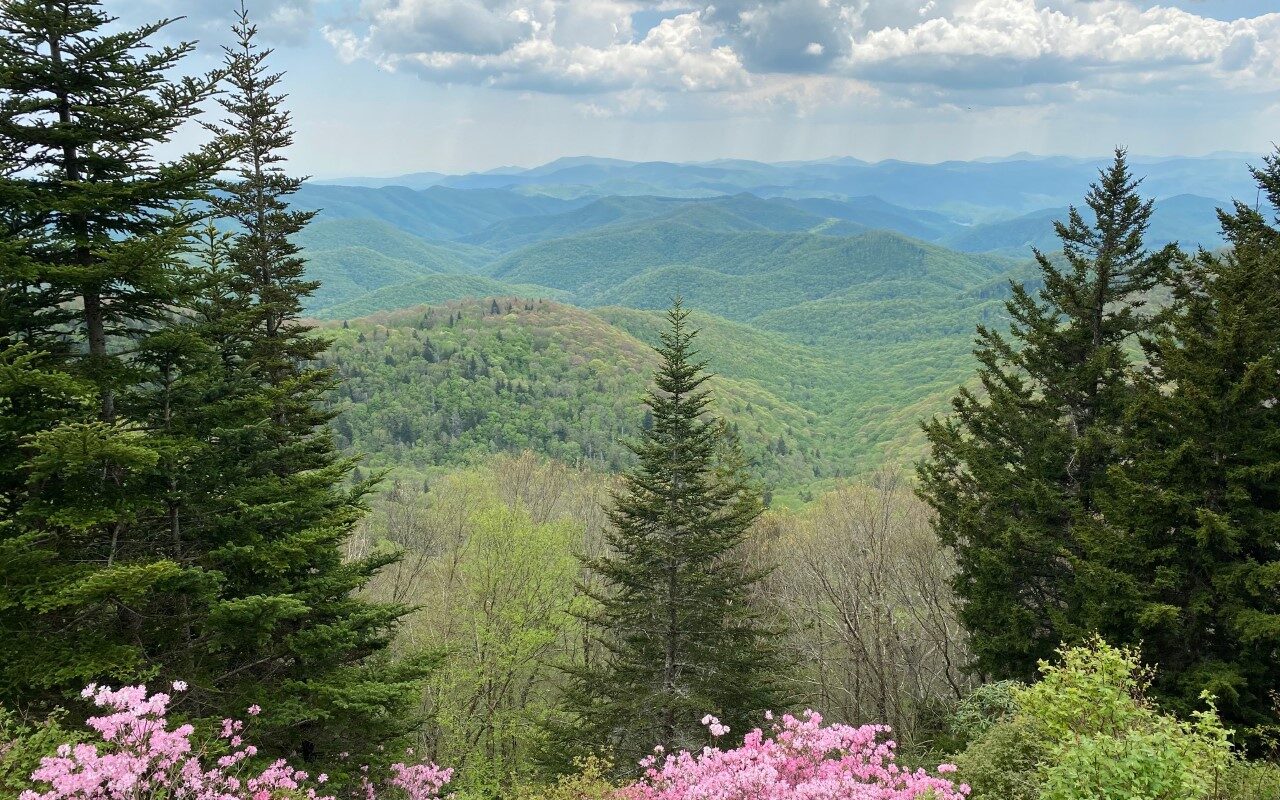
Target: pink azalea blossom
<point>140,755</point>
<point>802,760</point>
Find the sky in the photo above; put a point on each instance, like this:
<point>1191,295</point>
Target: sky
<point>386,87</point>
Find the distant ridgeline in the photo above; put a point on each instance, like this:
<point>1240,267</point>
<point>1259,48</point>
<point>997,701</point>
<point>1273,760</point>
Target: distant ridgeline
<point>835,318</point>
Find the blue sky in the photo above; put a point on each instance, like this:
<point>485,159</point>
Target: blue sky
<point>392,86</point>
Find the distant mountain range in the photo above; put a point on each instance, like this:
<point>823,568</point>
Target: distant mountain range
<point>971,190</point>
<point>638,249</point>
<point>838,298</point>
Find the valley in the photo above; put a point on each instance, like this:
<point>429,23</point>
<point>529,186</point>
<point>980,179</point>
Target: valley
<point>461,307</point>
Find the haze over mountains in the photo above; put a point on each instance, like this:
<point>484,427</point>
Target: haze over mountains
<point>873,276</point>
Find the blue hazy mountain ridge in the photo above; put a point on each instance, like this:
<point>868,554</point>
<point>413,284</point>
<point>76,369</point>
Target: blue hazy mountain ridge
<point>436,212</point>
<point>1188,219</point>
<point>751,254</point>
<point>1010,186</point>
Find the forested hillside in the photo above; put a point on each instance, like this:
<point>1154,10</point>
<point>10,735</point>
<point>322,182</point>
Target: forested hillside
<point>452,384</point>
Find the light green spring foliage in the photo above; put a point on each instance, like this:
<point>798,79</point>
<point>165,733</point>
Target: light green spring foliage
<point>22,744</point>
<point>488,559</point>
<point>588,783</point>
<point>1085,731</point>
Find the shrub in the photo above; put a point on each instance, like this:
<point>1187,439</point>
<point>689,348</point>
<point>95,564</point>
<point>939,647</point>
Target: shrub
<point>22,745</point>
<point>588,783</point>
<point>1086,731</point>
<point>802,759</point>
<point>141,755</point>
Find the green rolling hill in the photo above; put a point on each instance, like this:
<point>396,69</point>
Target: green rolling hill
<point>830,335</point>
<point>437,386</point>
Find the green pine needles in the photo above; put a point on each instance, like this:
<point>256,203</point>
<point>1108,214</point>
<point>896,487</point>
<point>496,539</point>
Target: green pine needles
<point>678,633</point>
<point>1119,472</point>
<point>174,506</point>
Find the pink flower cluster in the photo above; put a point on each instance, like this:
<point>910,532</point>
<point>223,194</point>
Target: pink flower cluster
<point>142,757</point>
<point>802,760</point>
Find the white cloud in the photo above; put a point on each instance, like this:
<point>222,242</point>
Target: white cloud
<point>1000,42</point>
<point>938,52</point>
<point>554,45</point>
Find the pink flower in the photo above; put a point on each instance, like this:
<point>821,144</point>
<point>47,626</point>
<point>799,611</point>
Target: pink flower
<point>179,686</point>
<point>802,759</point>
<point>255,710</point>
<point>139,755</point>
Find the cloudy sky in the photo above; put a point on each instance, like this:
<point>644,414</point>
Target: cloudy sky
<point>392,86</point>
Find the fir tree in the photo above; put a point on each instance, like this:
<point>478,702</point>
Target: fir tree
<point>92,233</point>
<point>1014,475</point>
<point>271,502</point>
<point>1198,489</point>
<point>679,633</point>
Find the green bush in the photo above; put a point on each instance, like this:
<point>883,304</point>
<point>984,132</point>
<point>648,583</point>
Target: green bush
<point>588,783</point>
<point>22,744</point>
<point>1086,731</point>
<point>1251,780</point>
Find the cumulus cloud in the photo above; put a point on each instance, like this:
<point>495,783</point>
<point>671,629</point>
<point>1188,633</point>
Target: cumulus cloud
<point>803,52</point>
<point>1008,42</point>
<point>554,45</point>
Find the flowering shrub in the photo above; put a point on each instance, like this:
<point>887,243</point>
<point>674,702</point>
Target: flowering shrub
<point>141,757</point>
<point>802,760</point>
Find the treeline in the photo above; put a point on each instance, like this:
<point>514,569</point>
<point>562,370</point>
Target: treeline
<point>1118,472</point>
<point>451,385</point>
<point>172,505</point>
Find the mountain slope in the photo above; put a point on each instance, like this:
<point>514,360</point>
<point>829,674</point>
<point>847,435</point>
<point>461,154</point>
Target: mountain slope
<point>737,274</point>
<point>1188,219</point>
<point>436,212</point>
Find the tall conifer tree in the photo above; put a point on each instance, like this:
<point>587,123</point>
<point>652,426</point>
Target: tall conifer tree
<point>1198,489</point>
<point>92,230</point>
<point>175,507</point>
<point>680,635</point>
<point>1014,474</point>
<point>268,499</point>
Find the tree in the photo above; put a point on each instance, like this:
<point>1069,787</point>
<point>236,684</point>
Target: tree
<point>679,633</point>
<point>1198,489</point>
<point>1015,473</point>
<point>268,501</point>
<point>92,232</point>
<point>172,506</point>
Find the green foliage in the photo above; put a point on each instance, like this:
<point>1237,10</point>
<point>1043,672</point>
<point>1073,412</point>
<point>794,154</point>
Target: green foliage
<point>1197,489</point>
<point>173,505</point>
<point>23,743</point>
<point>92,229</point>
<point>589,781</point>
<point>987,705</point>
<point>487,560</point>
<point>681,634</point>
<point>1017,472</point>
<point>445,385</point>
<point>1086,731</point>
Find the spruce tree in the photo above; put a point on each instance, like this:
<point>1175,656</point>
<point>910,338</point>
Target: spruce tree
<point>1198,489</point>
<point>92,232</point>
<point>679,634</point>
<point>172,502</point>
<point>1014,474</point>
<point>269,500</point>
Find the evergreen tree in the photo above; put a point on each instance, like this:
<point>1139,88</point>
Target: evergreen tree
<point>92,233</point>
<point>1014,475</point>
<point>678,632</point>
<point>270,502</point>
<point>1198,489</point>
<point>172,501</point>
